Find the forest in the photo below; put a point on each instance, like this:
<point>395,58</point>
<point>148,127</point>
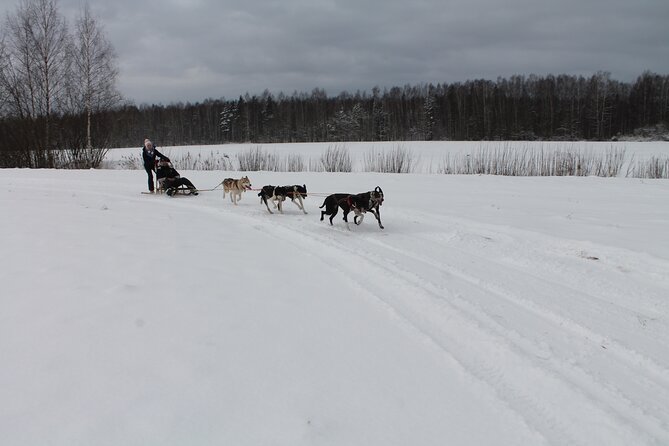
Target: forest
<point>531,107</point>
<point>564,108</point>
<point>520,108</point>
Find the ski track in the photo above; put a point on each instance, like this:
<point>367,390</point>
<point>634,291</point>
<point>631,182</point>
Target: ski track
<point>623,417</point>
<point>536,316</point>
<point>620,416</point>
<point>490,369</point>
<point>450,304</point>
<point>535,281</point>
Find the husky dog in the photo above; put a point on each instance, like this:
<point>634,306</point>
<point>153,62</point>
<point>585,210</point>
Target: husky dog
<point>273,193</point>
<point>278,194</point>
<point>236,187</point>
<point>296,193</point>
<point>358,203</point>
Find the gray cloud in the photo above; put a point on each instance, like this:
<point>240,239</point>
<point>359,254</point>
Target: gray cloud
<point>190,50</point>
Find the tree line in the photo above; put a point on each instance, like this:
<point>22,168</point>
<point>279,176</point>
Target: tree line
<point>531,107</point>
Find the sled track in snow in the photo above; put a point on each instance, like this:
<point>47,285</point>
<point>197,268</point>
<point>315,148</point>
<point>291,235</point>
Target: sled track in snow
<point>475,306</point>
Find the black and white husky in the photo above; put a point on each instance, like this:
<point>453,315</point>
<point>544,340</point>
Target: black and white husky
<point>278,194</point>
<point>358,203</point>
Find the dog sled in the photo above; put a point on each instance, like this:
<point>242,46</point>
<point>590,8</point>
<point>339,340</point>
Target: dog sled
<point>170,182</point>
<point>180,190</point>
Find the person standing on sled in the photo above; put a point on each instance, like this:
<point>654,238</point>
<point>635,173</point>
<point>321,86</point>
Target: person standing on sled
<point>149,155</point>
<point>169,179</point>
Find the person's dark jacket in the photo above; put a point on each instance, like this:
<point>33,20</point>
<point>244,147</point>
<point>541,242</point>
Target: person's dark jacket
<point>149,157</point>
<point>166,172</point>
<point>170,178</point>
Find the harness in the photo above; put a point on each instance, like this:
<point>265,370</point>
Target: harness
<point>373,202</point>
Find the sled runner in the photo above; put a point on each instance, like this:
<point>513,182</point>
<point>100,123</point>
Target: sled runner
<point>171,191</point>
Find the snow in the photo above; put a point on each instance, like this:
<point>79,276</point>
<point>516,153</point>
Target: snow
<point>489,311</point>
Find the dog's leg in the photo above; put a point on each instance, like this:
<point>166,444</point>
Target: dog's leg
<point>300,204</point>
<point>346,211</point>
<point>377,214</point>
<point>264,199</point>
<point>336,209</point>
<point>346,218</point>
<point>359,216</point>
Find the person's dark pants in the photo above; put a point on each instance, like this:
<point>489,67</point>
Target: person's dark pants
<point>176,182</point>
<point>149,171</point>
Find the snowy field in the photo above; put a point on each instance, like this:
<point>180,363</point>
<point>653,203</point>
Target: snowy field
<point>489,311</point>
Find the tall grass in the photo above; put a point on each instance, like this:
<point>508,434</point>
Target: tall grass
<point>257,159</point>
<point>186,161</point>
<point>293,163</point>
<point>510,161</point>
<point>199,162</point>
<point>655,167</point>
<point>337,159</point>
<point>397,160</point>
<point>79,158</point>
<point>131,162</point>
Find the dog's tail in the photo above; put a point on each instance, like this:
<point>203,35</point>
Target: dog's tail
<point>323,205</point>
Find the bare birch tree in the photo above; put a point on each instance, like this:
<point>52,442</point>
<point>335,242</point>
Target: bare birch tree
<point>36,67</point>
<point>18,72</point>
<point>49,39</point>
<point>4,59</point>
<point>94,70</point>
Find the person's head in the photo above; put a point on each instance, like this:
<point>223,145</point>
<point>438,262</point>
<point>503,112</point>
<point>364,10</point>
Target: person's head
<point>148,144</point>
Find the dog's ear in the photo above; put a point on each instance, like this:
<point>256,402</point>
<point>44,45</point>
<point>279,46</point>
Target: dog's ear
<point>378,189</point>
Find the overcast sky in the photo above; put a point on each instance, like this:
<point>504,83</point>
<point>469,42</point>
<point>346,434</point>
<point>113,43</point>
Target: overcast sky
<point>191,50</point>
